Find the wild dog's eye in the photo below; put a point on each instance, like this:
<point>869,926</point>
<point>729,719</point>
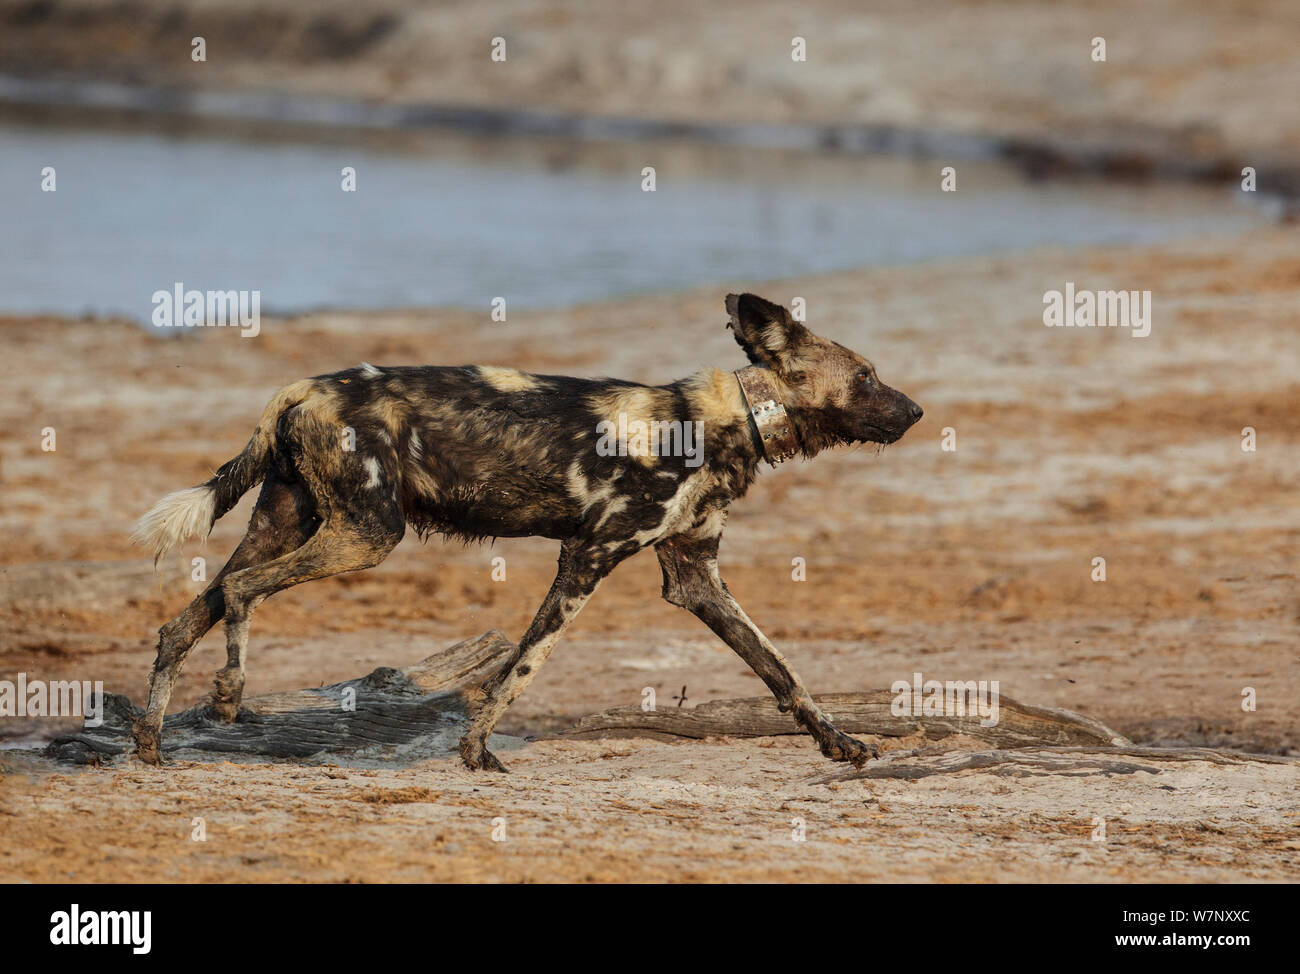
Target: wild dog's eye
<point>863,378</point>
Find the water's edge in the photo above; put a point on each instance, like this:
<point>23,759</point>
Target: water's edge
<point>1157,157</point>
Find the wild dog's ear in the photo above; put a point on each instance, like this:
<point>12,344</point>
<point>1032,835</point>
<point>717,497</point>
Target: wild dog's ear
<point>764,330</point>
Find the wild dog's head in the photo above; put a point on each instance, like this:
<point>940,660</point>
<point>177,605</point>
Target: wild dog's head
<point>833,395</point>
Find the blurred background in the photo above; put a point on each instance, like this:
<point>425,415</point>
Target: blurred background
<point>499,147</point>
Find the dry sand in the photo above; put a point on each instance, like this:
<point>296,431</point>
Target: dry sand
<point>971,564</point>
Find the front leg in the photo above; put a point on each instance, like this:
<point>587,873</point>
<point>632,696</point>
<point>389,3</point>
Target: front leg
<point>580,571</point>
<point>691,580</point>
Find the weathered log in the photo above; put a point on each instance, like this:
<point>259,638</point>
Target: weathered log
<point>420,712</point>
<point>1039,761</point>
<point>414,714</point>
<point>866,712</point>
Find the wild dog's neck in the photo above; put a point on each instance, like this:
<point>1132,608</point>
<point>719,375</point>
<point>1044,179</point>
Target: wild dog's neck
<point>713,397</point>
<point>810,430</point>
<point>810,434</point>
<point>769,422</point>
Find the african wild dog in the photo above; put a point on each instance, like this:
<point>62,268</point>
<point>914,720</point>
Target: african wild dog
<point>480,452</point>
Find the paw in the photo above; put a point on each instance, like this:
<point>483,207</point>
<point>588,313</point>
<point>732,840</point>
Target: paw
<point>224,711</point>
<point>850,749</point>
<point>478,758</point>
<point>227,690</point>
<point>148,743</point>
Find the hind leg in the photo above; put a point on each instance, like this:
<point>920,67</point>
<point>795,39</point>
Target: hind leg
<point>343,543</point>
<point>282,520</point>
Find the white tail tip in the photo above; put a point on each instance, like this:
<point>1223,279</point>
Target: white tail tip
<point>184,514</point>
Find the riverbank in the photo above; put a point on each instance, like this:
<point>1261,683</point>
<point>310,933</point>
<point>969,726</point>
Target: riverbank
<point>1187,92</point>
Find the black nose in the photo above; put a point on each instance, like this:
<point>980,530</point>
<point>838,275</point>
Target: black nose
<point>917,412</point>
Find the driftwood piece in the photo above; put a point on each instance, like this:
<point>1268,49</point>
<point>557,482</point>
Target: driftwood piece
<point>1039,761</point>
<point>416,713</point>
<point>867,712</point>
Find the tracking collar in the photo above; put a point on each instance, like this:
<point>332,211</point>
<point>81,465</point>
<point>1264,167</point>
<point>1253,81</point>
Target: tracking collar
<point>771,421</point>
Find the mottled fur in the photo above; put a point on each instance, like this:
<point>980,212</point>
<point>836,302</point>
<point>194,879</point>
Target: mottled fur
<point>348,460</point>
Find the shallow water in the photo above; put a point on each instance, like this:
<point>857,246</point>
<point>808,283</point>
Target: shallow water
<point>449,220</point>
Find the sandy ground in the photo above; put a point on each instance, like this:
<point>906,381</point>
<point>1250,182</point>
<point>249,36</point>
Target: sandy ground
<point>655,812</point>
<point>1180,79</point>
<point>973,564</point>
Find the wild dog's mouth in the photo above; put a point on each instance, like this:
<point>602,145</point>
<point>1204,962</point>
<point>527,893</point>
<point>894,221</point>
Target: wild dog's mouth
<point>878,434</point>
<point>889,414</point>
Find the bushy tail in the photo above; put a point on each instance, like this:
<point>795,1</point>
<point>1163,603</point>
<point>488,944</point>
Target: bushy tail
<point>192,512</point>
